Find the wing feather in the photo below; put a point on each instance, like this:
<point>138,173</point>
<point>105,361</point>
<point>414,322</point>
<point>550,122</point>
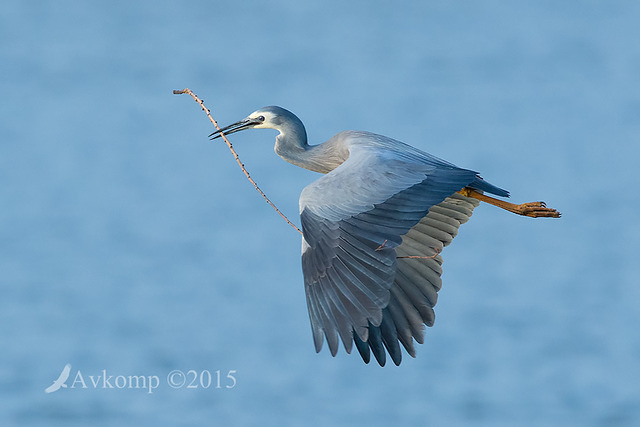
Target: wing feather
<point>409,311</point>
<point>401,322</point>
<point>383,203</point>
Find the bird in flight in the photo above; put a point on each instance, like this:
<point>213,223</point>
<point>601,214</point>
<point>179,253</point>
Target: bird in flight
<point>373,229</point>
<point>60,382</point>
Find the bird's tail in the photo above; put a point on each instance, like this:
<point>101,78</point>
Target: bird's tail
<point>482,185</point>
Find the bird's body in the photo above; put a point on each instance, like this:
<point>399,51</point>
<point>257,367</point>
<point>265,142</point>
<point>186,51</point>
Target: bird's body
<point>373,229</point>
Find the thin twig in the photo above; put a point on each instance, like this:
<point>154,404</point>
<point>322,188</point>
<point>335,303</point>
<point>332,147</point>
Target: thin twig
<point>437,252</point>
<point>235,155</point>
<point>420,257</point>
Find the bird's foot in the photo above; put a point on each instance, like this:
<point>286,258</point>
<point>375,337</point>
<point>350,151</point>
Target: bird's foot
<point>536,210</point>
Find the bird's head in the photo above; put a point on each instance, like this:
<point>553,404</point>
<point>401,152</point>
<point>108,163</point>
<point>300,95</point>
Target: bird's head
<point>265,118</point>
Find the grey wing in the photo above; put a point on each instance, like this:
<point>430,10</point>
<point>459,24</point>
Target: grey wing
<point>417,281</point>
<point>354,220</point>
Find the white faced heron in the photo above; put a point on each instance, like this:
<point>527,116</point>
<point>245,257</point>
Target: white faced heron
<point>373,229</point>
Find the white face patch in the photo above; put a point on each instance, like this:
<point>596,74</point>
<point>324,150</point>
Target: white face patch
<point>268,119</point>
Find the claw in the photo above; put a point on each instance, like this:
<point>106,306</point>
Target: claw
<point>537,209</point>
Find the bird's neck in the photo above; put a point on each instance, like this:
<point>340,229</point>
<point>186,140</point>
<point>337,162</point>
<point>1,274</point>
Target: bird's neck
<point>293,148</point>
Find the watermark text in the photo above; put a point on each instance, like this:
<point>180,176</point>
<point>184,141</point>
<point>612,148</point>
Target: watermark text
<point>177,379</point>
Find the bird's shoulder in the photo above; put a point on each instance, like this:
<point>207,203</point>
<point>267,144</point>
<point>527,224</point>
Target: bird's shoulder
<point>383,147</point>
<point>364,139</point>
<point>372,173</point>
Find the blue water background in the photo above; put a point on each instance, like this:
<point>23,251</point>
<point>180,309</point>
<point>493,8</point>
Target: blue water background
<point>130,244</point>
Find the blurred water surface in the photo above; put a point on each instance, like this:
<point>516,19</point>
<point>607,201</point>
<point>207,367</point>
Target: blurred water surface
<point>132,246</point>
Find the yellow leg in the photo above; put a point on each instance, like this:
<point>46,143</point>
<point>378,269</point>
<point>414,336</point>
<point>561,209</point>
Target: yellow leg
<point>531,209</point>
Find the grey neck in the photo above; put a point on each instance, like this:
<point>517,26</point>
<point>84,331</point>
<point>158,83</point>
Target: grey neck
<point>321,158</point>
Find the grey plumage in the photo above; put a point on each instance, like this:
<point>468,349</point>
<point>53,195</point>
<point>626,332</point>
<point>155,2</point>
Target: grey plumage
<point>373,229</point>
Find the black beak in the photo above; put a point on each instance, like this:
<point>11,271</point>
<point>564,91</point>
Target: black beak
<point>236,127</point>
